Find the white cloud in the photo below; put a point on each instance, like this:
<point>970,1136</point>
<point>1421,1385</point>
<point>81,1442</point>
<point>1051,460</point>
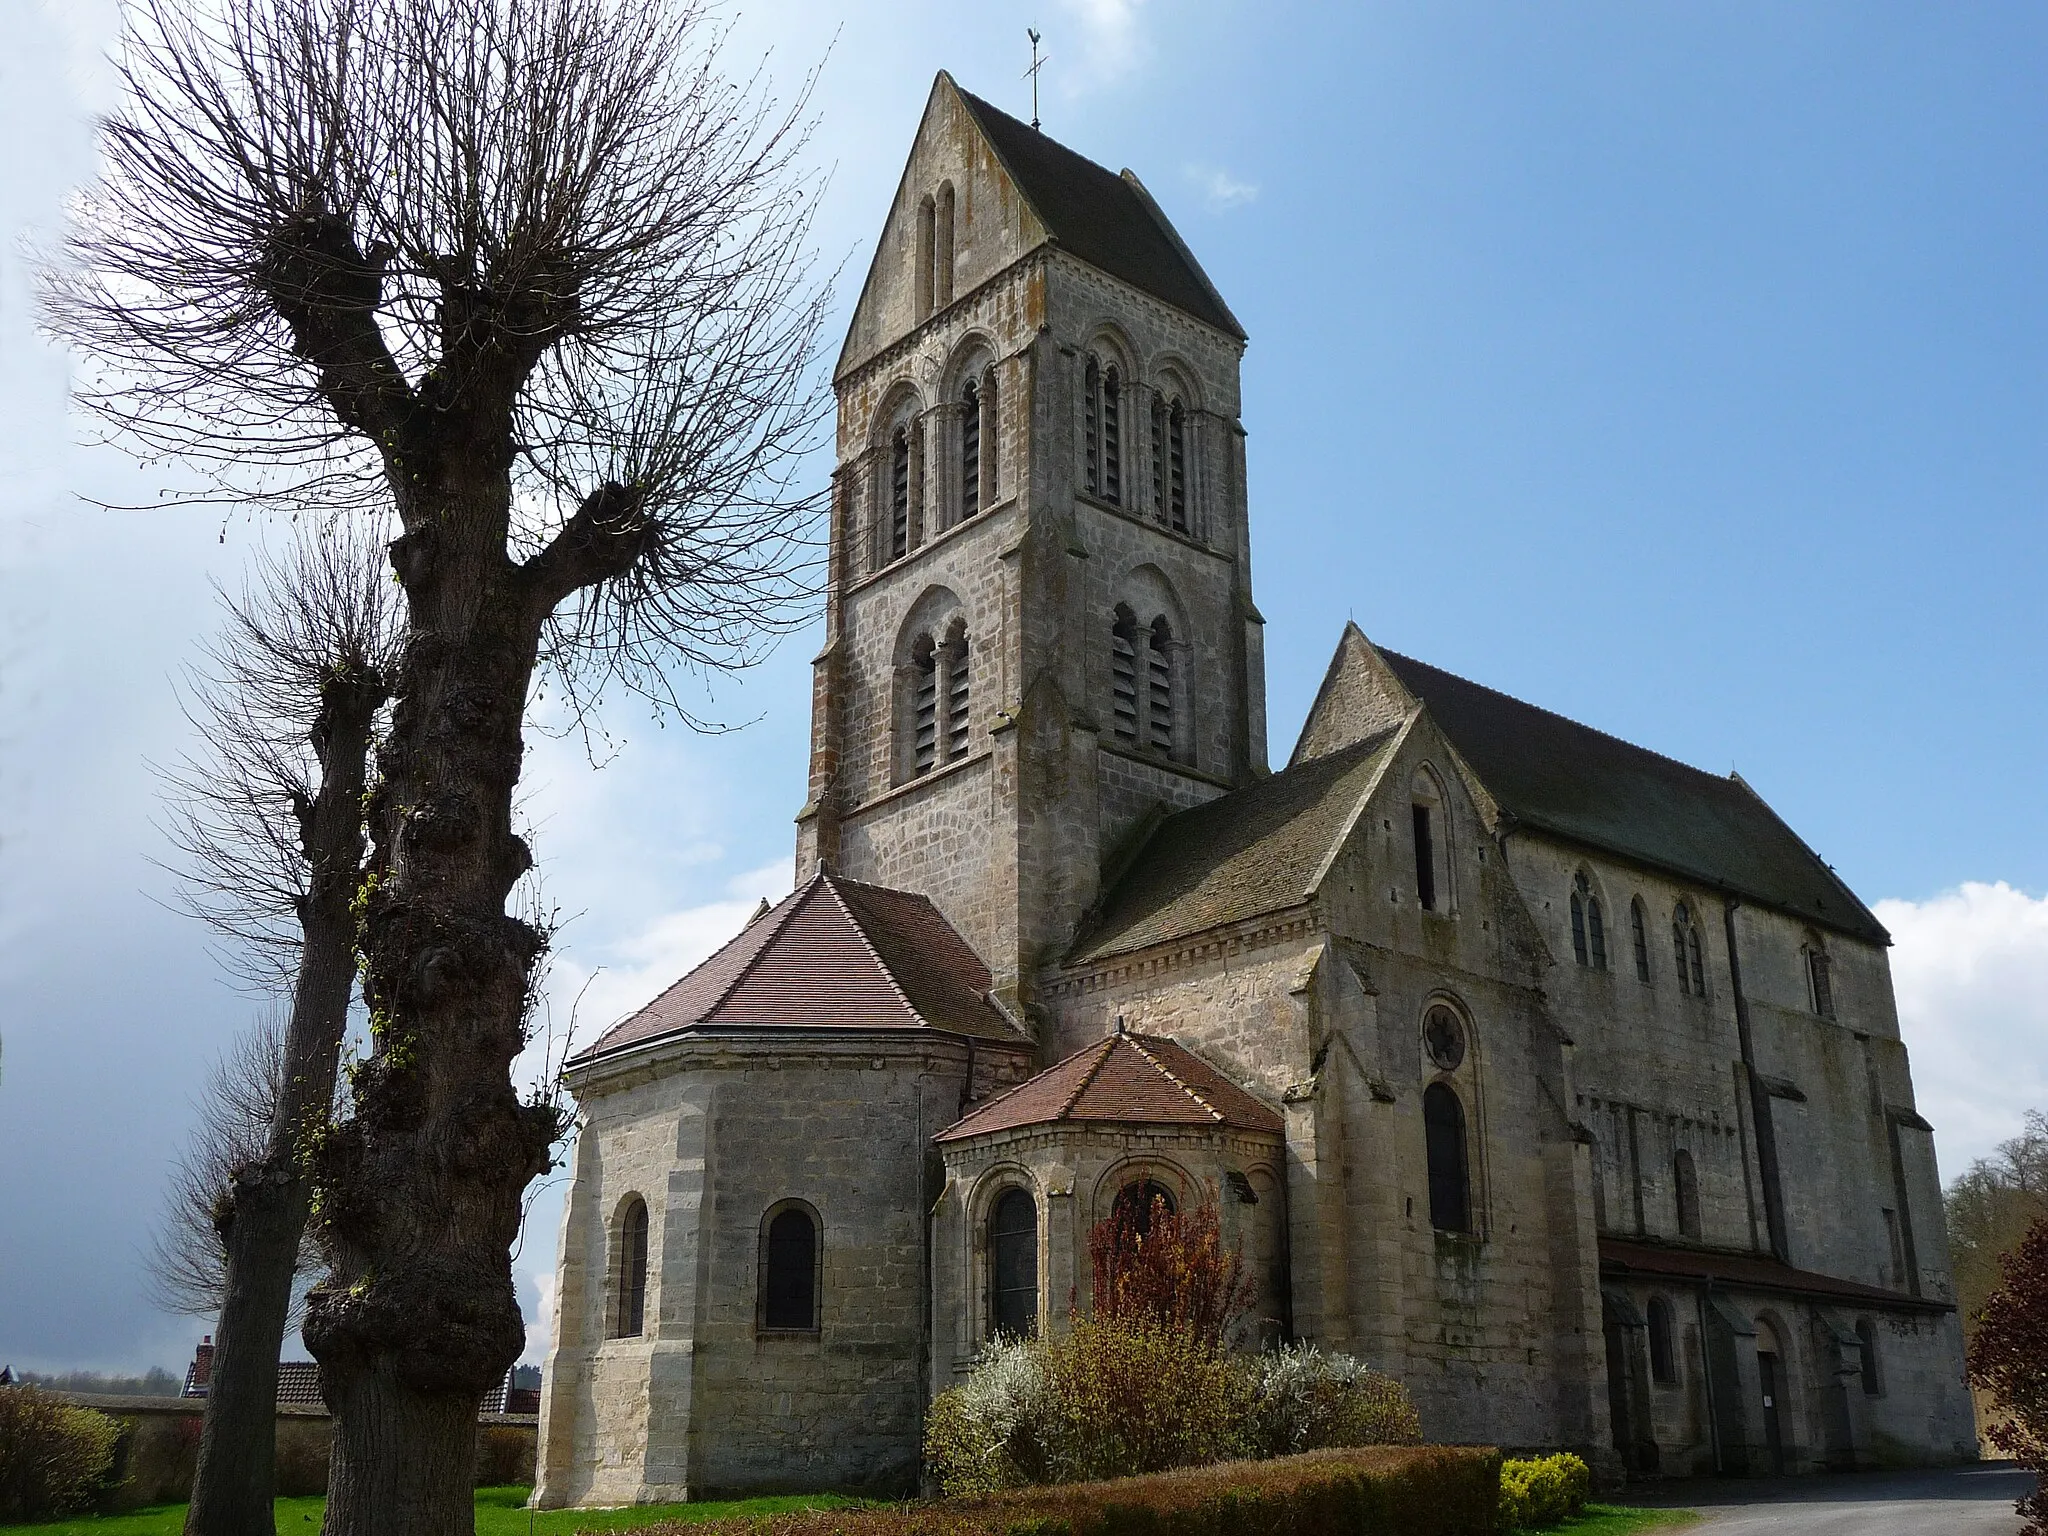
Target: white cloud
<point>1971,971</point>
<point>596,986</point>
<point>1108,47</point>
<point>1219,188</point>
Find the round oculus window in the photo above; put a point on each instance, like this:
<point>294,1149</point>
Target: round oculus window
<point>1443,1034</point>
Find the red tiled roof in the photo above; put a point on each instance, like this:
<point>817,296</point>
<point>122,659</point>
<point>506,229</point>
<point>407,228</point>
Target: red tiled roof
<point>1122,1079</point>
<point>1754,1271</point>
<point>834,954</point>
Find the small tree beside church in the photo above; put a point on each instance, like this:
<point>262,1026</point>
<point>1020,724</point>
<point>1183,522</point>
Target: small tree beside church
<point>2009,1355</point>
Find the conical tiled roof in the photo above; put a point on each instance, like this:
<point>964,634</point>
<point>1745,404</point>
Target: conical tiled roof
<point>833,954</point>
<point>1122,1079</point>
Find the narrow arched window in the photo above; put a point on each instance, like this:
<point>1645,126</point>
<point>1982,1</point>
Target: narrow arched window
<point>789,1271</point>
<point>954,657</point>
<point>1159,684</point>
<point>1663,1357</point>
<point>1177,468</point>
<point>1589,929</point>
<point>1123,674</point>
<point>921,275</point>
<point>1685,1186</point>
<point>629,1271</point>
<point>1686,957</point>
<point>1013,1265</point>
<point>1425,855</point>
<point>1639,936</point>
<point>970,449</point>
<point>899,494</point>
<point>1112,438</point>
<point>1443,1126</point>
<point>924,705</point>
<point>942,248</point>
<point>1866,1350</point>
<point>1091,425</point>
<point>1820,982</point>
<point>1138,1203</point>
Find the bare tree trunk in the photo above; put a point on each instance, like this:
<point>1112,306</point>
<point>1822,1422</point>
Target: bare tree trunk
<point>422,1186</point>
<point>267,1202</point>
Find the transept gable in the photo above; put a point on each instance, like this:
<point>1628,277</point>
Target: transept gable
<point>1530,768</point>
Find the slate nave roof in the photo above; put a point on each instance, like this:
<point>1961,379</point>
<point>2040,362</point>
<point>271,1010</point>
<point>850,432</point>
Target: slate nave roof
<point>1263,848</point>
<point>833,954</point>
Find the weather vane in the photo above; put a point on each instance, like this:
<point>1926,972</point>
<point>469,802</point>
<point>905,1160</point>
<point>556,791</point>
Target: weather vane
<point>1031,74</point>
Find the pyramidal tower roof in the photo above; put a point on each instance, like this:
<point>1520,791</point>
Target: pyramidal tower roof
<point>833,954</point>
<point>1106,219</point>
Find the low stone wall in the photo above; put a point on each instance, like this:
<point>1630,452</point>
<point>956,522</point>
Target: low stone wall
<point>159,1448</point>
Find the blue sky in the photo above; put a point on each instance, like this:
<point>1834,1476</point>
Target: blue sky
<point>1683,368</point>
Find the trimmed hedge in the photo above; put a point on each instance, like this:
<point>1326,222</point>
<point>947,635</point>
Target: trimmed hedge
<point>1542,1492</point>
<point>1375,1491</point>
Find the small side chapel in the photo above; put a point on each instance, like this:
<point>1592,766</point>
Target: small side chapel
<point>1558,1079</point>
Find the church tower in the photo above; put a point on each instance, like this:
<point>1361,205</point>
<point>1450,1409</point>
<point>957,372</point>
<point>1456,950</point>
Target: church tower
<point>1040,633</point>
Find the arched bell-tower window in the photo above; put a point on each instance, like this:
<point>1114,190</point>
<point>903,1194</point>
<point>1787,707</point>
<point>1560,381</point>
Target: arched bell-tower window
<point>1112,438</point>
<point>1091,424</point>
<point>942,247</point>
<point>899,492</point>
<point>1176,468</point>
<point>1159,686</point>
<point>1123,674</point>
<point>970,449</point>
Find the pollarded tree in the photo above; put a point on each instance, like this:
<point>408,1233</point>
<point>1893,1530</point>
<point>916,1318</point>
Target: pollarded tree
<point>269,817</point>
<point>531,275</point>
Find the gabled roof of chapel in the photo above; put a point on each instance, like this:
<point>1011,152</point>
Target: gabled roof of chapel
<point>833,954</point>
<point>1108,220</point>
<point>1554,775</point>
<point>1255,850</point>
<point>1122,1079</point>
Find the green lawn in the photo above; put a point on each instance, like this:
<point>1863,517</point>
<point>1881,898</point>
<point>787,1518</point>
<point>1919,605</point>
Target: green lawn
<point>1613,1520</point>
<point>499,1512</point>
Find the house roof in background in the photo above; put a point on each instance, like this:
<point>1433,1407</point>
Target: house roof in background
<point>1122,1079</point>
<point>1107,220</point>
<point>833,954</point>
<point>1561,777</point>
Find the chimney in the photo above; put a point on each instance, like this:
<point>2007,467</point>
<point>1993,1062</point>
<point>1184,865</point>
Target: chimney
<point>200,1371</point>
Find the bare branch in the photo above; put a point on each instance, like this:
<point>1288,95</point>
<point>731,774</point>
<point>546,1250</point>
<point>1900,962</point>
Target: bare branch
<point>323,616</point>
<point>187,1255</point>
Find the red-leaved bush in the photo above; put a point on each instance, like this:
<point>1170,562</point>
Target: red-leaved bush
<point>2009,1357</point>
<point>1170,1271</point>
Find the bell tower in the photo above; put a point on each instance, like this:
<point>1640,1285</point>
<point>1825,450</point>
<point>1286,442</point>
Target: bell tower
<point>1039,625</point>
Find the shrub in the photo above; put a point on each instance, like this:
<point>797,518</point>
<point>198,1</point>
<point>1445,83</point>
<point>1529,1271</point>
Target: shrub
<point>1169,1270</point>
<point>1109,1399</point>
<point>54,1457</point>
<point>1305,1400</point>
<point>2011,1341</point>
<point>1538,1493</point>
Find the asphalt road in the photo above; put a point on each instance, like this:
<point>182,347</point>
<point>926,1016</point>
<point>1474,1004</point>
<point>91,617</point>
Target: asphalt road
<point>1953,1501</point>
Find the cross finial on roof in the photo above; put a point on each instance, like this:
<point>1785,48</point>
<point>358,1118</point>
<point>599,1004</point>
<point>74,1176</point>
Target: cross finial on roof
<point>1031,74</point>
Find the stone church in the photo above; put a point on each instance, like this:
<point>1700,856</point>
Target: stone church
<point>1556,1078</point>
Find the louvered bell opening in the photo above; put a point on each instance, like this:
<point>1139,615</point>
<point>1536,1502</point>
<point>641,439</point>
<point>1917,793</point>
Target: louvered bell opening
<point>1123,682</point>
<point>926,705</point>
<point>1158,460</point>
<point>1177,472</point>
<point>1112,440</point>
<point>970,454</point>
<point>1160,717</point>
<point>956,706</point>
<point>899,498</point>
<point>1091,427</point>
